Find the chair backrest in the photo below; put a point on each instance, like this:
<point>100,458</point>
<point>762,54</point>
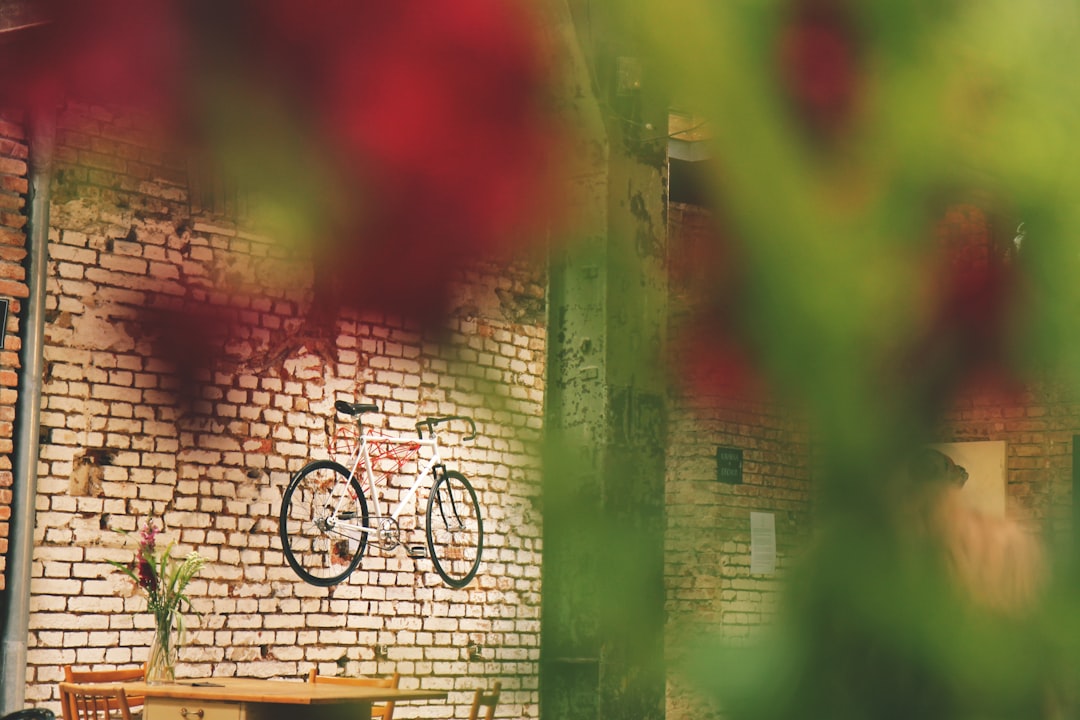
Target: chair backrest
<point>135,674</point>
<point>385,712</point>
<point>89,701</point>
<point>485,700</point>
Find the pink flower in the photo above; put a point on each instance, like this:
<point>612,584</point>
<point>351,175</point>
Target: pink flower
<point>146,539</point>
<point>155,573</point>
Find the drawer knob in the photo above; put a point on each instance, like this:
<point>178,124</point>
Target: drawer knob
<point>184,712</point>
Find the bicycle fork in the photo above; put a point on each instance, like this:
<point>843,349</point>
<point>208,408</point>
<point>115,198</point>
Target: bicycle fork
<point>458,525</point>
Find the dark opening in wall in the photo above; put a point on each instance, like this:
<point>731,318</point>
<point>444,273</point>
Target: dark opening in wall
<point>689,181</point>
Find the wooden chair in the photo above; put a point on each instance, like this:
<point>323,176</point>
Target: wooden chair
<point>90,701</point>
<point>136,674</point>
<point>485,700</point>
<point>385,712</point>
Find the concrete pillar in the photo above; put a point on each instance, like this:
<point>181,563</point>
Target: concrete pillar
<point>605,416</point>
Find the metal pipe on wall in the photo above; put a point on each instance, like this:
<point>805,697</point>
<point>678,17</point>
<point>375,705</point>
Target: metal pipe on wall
<point>16,621</point>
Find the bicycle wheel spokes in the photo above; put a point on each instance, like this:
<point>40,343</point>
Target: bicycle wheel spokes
<point>320,514</point>
<point>455,530</point>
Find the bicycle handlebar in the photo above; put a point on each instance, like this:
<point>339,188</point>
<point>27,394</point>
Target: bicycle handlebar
<point>356,409</point>
<point>431,422</point>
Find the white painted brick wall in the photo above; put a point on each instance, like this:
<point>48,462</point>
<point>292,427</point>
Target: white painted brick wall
<point>216,468</point>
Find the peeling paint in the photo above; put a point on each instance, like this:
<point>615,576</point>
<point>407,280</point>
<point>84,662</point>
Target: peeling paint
<point>96,329</point>
<point>89,473</point>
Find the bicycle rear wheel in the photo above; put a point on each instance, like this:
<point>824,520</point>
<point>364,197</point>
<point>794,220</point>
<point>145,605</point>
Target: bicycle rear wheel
<point>316,545</point>
<point>455,530</point>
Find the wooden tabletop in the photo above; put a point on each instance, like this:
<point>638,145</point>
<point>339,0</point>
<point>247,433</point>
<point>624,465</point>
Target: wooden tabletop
<point>275,691</point>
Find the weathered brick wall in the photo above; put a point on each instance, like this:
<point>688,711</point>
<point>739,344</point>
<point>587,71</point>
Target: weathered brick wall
<point>709,585</point>
<point>126,436</point>
<point>13,189</point>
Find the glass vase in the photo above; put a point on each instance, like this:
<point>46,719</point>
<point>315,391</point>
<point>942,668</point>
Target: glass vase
<point>164,650</point>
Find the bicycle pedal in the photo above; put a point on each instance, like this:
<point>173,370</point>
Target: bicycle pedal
<point>416,552</point>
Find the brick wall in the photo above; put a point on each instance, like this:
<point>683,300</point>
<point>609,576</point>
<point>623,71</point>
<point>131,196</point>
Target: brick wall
<point>13,189</point>
<point>710,588</point>
<point>126,435</point>
<point>709,585</point>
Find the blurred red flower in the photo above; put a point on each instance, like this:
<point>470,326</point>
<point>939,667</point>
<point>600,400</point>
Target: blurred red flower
<point>819,64</point>
<point>104,52</point>
<point>714,356</point>
<point>433,116</point>
<point>973,300</point>
<point>441,112</point>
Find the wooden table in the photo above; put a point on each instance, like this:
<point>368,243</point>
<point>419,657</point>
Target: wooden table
<point>251,699</point>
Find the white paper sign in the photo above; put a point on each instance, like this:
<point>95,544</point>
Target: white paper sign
<point>762,543</point>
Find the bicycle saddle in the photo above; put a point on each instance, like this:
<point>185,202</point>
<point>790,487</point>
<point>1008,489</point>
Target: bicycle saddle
<point>348,408</point>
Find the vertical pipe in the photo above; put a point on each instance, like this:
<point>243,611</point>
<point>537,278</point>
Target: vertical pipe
<point>28,417</point>
<point>1074,559</point>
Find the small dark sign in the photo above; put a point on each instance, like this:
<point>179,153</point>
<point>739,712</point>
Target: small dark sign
<point>3,320</point>
<point>729,465</point>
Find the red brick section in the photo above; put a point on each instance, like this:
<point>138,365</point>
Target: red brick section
<point>13,188</point>
<point>710,588</point>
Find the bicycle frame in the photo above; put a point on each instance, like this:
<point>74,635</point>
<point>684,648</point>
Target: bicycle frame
<point>362,458</point>
<point>325,519</point>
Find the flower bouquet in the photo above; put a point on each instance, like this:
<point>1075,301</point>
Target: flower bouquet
<point>164,582</point>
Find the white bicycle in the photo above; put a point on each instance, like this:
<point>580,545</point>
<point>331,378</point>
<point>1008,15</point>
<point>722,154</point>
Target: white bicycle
<point>326,524</point>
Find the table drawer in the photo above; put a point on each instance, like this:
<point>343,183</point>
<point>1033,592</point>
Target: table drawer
<point>180,709</point>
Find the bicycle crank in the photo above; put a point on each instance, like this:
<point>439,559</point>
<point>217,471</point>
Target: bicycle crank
<point>389,534</point>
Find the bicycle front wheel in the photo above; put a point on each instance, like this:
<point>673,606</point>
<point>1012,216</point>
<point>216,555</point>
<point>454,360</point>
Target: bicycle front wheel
<point>321,513</point>
<point>455,530</point>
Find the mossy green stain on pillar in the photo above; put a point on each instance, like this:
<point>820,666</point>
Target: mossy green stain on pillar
<point>606,425</point>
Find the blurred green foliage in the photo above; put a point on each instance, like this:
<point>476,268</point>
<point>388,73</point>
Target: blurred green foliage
<point>841,132</point>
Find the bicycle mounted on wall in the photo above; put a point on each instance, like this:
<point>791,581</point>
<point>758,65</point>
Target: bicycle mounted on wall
<point>326,525</point>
